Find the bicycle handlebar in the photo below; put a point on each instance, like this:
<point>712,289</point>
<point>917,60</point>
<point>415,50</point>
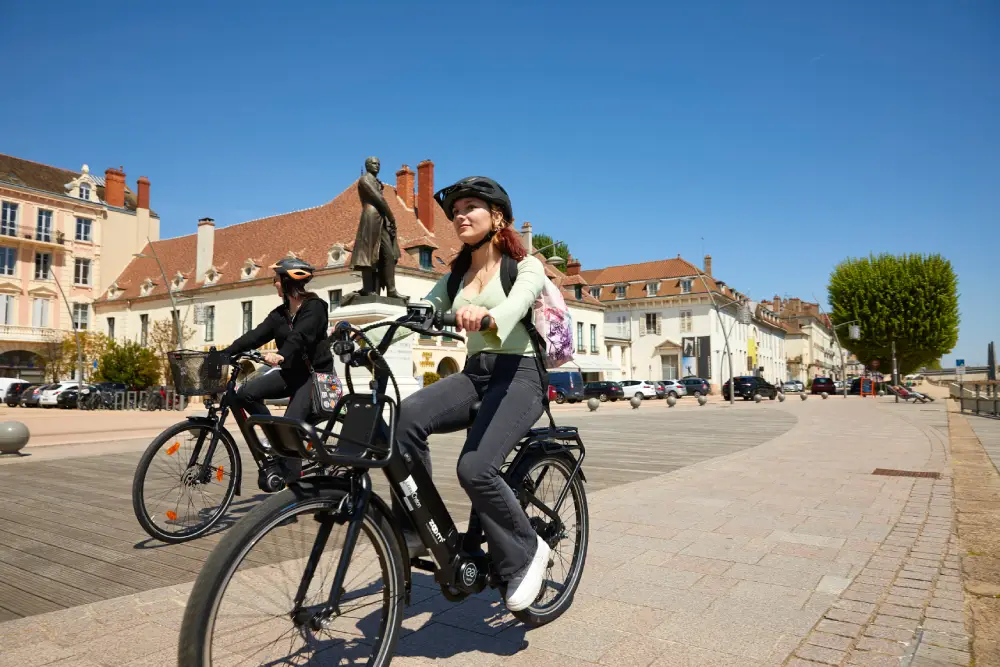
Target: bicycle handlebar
<point>448,320</point>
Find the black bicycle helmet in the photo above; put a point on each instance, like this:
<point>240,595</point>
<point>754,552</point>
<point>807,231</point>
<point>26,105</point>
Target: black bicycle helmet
<point>480,187</point>
<point>294,269</point>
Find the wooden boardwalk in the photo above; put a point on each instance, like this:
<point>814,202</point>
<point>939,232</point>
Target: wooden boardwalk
<point>68,535</point>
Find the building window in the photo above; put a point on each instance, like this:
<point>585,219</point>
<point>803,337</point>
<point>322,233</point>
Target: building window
<point>43,230</point>
<point>593,339</point>
<point>84,191</point>
<point>334,296</point>
<point>84,229</point>
<point>81,271</point>
<point>619,291</point>
<point>8,261</point>
<point>8,221</point>
<point>143,329</point>
<point>687,321</point>
<point>209,323</point>
<point>111,328</point>
<point>81,316</point>
<point>579,337</point>
<point>652,288</point>
<point>43,266</point>
<point>247,316</point>
<point>686,286</point>
<point>426,258</point>
<point>7,305</point>
<point>40,313</point>
<point>650,324</point>
<point>578,291</point>
<point>595,292</point>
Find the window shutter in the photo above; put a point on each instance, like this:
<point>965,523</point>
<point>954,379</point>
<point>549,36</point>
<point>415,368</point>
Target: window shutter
<point>658,330</point>
<point>642,325</point>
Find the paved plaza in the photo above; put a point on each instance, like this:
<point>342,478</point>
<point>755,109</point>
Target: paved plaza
<point>744,535</point>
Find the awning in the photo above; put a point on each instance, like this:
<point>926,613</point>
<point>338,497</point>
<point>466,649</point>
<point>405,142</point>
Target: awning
<point>587,364</point>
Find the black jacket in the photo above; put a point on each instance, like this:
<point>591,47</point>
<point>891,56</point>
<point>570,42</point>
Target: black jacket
<point>307,334</point>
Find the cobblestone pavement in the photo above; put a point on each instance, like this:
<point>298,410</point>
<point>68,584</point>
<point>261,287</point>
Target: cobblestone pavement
<point>791,552</point>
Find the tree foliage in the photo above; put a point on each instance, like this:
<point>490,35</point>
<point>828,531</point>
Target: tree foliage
<point>545,242</point>
<point>130,363</point>
<point>94,346</point>
<point>909,299</point>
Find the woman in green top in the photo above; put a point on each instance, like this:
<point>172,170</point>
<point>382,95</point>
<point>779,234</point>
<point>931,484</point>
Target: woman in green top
<point>501,372</point>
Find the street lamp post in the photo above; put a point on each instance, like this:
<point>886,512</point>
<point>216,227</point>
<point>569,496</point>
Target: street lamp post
<point>834,327</point>
<point>175,314</point>
<point>76,329</point>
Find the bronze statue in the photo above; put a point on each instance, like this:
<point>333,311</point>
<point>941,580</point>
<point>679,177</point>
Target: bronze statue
<point>376,250</point>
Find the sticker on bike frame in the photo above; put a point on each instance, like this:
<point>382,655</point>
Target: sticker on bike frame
<point>434,530</point>
<point>408,486</point>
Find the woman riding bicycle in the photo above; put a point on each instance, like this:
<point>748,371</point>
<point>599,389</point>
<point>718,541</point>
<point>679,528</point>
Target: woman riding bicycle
<point>501,371</point>
<point>299,329</point>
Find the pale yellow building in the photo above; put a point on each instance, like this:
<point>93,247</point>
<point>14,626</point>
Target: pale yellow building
<point>60,229</point>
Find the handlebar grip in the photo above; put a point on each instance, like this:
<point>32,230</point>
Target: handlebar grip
<point>448,320</point>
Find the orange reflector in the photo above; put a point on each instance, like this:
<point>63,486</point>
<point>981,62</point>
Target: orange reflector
<point>218,474</point>
<point>172,449</point>
<point>172,515</point>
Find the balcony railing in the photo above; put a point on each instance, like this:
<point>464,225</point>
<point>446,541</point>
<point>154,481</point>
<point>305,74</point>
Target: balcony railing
<point>619,330</point>
<point>14,332</point>
<point>30,234</point>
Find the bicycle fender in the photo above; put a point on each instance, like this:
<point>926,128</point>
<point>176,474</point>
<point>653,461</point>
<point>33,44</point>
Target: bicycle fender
<point>339,484</point>
<point>540,448</point>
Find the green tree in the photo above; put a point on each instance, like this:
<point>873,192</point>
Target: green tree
<point>546,242</point>
<point>909,299</point>
<point>94,345</point>
<point>130,363</point>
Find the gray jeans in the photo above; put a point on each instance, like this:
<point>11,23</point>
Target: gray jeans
<point>511,394</point>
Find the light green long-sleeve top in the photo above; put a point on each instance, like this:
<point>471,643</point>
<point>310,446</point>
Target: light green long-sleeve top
<point>507,310</point>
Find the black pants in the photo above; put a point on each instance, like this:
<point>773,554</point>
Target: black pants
<point>276,383</point>
<point>511,395</point>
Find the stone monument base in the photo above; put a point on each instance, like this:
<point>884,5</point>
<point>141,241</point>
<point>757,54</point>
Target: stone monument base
<point>399,355</point>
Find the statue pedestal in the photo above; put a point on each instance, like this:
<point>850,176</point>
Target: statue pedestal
<point>399,355</point>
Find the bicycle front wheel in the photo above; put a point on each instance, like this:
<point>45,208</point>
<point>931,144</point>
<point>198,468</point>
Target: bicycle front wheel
<point>243,611</point>
<point>177,496</point>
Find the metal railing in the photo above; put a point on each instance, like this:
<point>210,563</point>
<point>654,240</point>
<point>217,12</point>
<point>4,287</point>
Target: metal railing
<point>619,330</point>
<point>18,332</point>
<point>979,398</point>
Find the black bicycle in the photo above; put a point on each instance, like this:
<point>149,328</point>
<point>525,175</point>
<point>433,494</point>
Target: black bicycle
<point>183,485</point>
<point>281,588</point>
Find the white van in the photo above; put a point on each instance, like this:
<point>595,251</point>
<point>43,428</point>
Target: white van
<point>5,384</point>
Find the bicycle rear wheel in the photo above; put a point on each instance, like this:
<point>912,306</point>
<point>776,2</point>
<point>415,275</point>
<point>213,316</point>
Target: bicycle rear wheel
<point>175,499</point>
<point>544,476</point>
<point>242,608</point>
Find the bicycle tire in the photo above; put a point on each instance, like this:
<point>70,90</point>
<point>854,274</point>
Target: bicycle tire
<point>139,480</point>
<point>536,616</point>
<point>197,625</point>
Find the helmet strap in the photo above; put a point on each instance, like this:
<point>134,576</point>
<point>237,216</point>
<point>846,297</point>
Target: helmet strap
<point>481,242</point>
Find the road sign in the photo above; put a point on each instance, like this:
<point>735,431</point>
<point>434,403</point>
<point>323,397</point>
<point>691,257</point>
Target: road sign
<point>95,363</point>
<point>959,363</point>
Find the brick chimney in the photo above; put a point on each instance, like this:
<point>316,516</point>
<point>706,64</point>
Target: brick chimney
<point>526,236</point>
<point>142,193</point>
<point>114,187</point>
<point>404,185</point>
<point>708,265</point>
<point>795,305</point>
<point>425,194</point>
<point>205,249</point>
<point>573,266</point>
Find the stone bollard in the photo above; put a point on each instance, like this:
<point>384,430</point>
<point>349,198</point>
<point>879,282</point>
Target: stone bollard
<point>635,402</point>
<point>702,400</point>
<point>593,404</point>
<point>13,437</point>
<point>803,396</point>
<point>825,395</point>
<point>671,401</point>
<point>881,392</point>
<point>781,397</point>
<point>756,398</point>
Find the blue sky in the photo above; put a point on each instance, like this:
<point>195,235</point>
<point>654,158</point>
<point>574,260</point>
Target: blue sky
<point>787,135</point>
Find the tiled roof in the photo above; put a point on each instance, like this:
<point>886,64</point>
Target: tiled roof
<point>566,284</point>
<point>25,173</point>
<point>660,269</point>
<point>309,233</point>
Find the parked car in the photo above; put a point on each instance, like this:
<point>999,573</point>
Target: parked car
<point>604,390</point>
<point>661,388</point>
<point>568,384</point>
<point>696,386</point>
<point>31,396</point>
<point>69,398</point>
<point>640,388</point>
<point>674,388</point>
<point>821,385</point>
<point>50,397</point>
<point>749,385</point>
<point>14,391</point>
<point>8,385</point>
<point>552,393</point>
<point>791,386</point>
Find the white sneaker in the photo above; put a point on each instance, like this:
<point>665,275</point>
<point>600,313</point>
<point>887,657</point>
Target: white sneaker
<point>524,586</point>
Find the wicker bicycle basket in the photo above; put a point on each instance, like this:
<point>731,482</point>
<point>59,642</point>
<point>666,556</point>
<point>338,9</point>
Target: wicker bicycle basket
<point>199,373</point>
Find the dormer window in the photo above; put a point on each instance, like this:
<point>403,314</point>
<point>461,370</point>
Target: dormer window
<point>114,291</point>
<point>211,276</point>
<point>652,288</point>
<point>177,282</point>
<point>595,292</point>
<point>336,255</point>
<point>85,191</point>
<point>686,286</point>
<point>578,291</point>
<point>146,288</point>
<point>427,258</point>
<point>250,270</point>
<point>619,291</point>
